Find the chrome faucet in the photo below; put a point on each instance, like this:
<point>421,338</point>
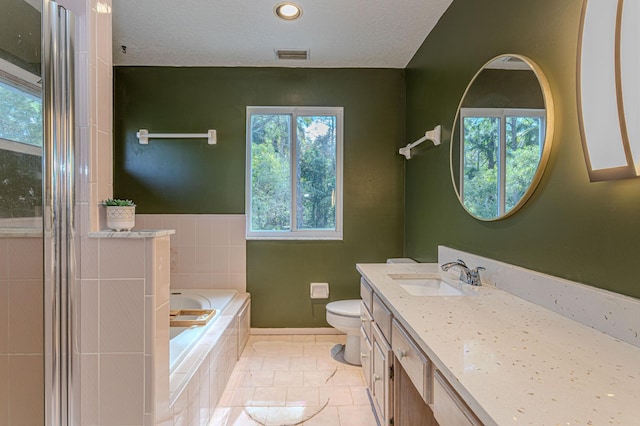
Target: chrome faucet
<point>467,276</point>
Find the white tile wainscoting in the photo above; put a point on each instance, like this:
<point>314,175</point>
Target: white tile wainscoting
<point>21,328</point>
<point>208,251</point>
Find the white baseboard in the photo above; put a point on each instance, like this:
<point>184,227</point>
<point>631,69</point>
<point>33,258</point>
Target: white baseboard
<point>318,330</point>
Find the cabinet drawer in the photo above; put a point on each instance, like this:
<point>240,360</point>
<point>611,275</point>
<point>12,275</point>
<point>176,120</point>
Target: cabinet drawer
<point>365,319</point>
<point>382,316</point>
<point>414,362</point>
<point>366,293</point>
<point>448,407</point>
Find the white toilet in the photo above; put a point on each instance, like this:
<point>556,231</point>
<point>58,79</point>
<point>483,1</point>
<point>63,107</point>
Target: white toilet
<point>345,316</point>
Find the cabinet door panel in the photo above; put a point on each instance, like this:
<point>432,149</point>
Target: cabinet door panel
<point>365,357</point>
<point>382,391</point>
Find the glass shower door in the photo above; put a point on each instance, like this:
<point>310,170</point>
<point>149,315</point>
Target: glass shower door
<point>21,206</point>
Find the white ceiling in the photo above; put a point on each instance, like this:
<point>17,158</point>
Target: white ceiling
<point>338,33</point>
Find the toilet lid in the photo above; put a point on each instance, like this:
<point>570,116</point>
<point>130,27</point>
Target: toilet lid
<point>348,308</point>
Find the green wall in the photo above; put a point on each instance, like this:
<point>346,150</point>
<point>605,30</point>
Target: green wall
<point>505,89</point>
<point>587,232</point>
<point>169,176</point>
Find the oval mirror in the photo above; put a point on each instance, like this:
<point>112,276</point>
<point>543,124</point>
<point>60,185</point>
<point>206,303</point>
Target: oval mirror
<point>501,137</point>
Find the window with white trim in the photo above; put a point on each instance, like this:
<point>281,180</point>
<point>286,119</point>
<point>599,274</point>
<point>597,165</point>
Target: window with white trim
<point>21,140</point>
<point>294,173</point>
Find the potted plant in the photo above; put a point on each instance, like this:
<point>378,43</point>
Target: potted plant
<point>121,214</point>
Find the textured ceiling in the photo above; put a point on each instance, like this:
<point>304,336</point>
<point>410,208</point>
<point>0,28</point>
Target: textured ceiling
<point>338,33</point>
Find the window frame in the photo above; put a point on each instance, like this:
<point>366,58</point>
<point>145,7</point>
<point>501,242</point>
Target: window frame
<point>502,114</point>
<point>293,233</point>
<point>19,80</point>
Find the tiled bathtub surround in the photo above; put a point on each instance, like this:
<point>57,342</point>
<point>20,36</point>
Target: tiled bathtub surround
<point>611,313</point>
<point>21,319</point>
<point>199,380</point>
<point>207,251</point>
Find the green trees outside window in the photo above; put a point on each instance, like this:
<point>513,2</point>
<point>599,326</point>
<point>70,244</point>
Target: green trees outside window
<point>316,172</point>
<point>270,172</point>
<point>294,172</point>
<point>21,137</point>
<point>501,152</point>
<point>20,116</point>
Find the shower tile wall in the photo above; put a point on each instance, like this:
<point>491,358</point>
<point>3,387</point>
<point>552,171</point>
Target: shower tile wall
<point>207,251</point>
<point>110,362</point>
<point>94,100</point>
<point>21,360</point>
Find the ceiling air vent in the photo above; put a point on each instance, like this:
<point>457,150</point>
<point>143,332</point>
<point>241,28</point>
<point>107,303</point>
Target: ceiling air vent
<point>292,54</point>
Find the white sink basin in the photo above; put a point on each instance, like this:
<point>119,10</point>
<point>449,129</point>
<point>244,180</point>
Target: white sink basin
<point>425,285</point>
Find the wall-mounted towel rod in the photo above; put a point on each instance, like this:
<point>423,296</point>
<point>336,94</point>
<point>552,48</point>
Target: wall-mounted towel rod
<point>432,135</point>
<point>143,136</point>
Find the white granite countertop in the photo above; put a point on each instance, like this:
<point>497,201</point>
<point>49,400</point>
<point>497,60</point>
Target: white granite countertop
<point>515,362</point>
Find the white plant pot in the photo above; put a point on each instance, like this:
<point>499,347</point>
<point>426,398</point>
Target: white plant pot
<point>121,218</point>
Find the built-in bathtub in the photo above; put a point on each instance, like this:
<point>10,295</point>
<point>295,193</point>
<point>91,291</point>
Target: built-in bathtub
<point>202,358</point>
<point>183,339</point>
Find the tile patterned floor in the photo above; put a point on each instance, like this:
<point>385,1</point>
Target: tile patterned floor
<point>294,380</point>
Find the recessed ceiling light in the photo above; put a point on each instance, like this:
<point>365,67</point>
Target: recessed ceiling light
<point>288,11</point>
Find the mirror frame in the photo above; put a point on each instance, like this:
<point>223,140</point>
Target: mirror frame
<point>548,138</point>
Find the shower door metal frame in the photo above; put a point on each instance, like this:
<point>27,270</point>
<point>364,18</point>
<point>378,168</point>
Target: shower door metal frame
<point>58,48</point>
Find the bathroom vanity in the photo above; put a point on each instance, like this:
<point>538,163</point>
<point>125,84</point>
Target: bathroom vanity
<point>400,376</point>
<point>487,356</point>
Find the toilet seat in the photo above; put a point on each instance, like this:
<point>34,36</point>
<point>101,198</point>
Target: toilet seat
<point>345,308</point>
